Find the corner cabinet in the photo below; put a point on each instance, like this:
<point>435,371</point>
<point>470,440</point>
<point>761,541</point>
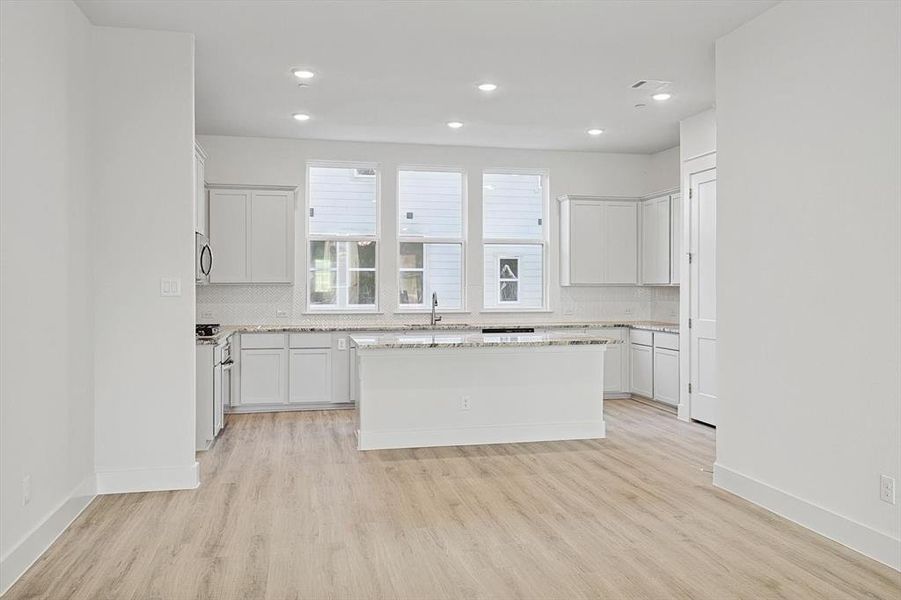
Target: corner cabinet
<point>251,234</point>
<point>661,235</point>
<point>598,241</point>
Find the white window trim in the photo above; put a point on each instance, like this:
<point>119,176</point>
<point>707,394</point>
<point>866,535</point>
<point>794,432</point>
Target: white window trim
<point>308,238</point>
<point>426,306</point>
<point>543,241</point>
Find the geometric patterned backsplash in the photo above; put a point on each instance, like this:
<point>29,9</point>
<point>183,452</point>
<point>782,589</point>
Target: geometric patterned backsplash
<point>261,305</point>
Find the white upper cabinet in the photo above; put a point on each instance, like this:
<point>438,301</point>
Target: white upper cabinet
<point>675,210</point>
<point>655,241</point>
<point>201,206</point>
<point>598,241</point>
<point>251,235</point>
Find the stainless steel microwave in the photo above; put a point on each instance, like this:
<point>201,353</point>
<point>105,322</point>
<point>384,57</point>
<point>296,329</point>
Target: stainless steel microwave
<point>203,258</point>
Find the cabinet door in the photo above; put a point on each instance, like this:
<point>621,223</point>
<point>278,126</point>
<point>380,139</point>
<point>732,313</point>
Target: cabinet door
<point>621,242</point>
<point>613,368</point>
<point>270,244</point>
<point>310,377</point>
<point>648,241</point>
<point>662,237</point>
<point>666,376</point>
<point>228,235</point>
<point>263,376</point>
<point>675,236</point>
<point>642,370</point>
<point>200,200</point>
<point>217,400</point>
<point>587,247</point>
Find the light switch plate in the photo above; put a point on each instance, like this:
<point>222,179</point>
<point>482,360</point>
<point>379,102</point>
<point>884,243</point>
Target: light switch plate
<point>281,313</point>
<point>170,287</point>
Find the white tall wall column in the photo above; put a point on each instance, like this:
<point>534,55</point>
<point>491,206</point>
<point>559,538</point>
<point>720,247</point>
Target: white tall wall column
<point>809,267</point>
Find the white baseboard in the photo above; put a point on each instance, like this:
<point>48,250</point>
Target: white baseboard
<point>30,548</point>
<point>470,436</point>
<point>148,480</point>
<point>869,542</point>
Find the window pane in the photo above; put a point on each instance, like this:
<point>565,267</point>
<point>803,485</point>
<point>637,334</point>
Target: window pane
<point>442,273</point>
<point>411,287</point>
<point>513,206</point>
<point>323,287</point>
<point>514,277</point>
<point>342,201</point>
<point>430,203</point>
<point>361,289</point>
<point>323,255</point>
<point>361,255</point>
<point>410,256</point>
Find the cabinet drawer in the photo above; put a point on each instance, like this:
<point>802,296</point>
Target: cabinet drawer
<point>262,340</point>
<point>310,340</point>
<point>641,337</point>
<point>670,341</point>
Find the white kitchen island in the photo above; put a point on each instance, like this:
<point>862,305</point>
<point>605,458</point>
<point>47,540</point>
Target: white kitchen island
<point>453,389</point>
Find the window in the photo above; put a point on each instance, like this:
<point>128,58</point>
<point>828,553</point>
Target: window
<point>342,229</point>
<point>430,235</point>
<point>513,232</point>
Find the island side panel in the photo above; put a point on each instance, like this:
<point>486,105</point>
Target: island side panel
<point>411,398</point>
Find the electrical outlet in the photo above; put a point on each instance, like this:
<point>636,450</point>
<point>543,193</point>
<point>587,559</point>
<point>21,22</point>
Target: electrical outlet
<point>887,489</point>
<point>206,314</point>
<point>628,312</point>
<point>342,343</point>
<point>281,313</point>
<point>568,311</point>
<point>464,403</point>
<point>26,490</point>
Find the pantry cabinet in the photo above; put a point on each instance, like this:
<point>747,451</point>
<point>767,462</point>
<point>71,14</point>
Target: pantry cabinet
<point>598,241</point>
<point>251,234</point>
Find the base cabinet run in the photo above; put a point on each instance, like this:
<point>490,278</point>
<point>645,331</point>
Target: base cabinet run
<point>280,371</point>
<point>655,365</point>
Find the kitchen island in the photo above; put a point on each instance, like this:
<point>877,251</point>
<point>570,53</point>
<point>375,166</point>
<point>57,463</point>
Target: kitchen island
<point>440,388</point>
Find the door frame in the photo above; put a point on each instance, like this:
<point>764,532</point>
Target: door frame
<point>692,166</point>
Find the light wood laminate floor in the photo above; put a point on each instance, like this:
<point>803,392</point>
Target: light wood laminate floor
<point>290,509</point>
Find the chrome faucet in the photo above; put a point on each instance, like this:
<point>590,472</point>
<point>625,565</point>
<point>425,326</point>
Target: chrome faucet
<point>435,318</point>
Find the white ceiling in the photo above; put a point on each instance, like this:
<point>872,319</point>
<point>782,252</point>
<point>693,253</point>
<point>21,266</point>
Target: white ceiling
<point>398,71</point>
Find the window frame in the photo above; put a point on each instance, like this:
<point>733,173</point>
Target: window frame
<point>426,307</point>
<point>543,241</point>
<point>347,308</point>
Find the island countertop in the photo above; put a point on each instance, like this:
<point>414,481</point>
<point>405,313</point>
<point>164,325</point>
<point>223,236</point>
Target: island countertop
<point>450,339</point>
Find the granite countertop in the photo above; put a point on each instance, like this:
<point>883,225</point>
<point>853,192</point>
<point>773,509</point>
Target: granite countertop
<point>227,330</point>
<point>380,341</point>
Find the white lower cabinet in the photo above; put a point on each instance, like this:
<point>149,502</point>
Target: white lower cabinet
<point>666,375</point>
<point>264,376</point>
<point>642,359</point>
<point>616,361</point>
<point>310,376</point>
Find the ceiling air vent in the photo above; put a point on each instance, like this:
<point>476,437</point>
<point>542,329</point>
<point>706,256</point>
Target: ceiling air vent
<point>639,83</point>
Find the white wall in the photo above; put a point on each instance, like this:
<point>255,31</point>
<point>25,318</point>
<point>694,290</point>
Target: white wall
<point>46,408</point>
<point>143,124</point>
<point>697,135</point>
<point>809,277</point>
<point>663,171</point>
<point>283,162</point>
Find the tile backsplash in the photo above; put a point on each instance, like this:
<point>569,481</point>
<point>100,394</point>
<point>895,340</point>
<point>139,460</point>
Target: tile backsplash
<point>276,304</point>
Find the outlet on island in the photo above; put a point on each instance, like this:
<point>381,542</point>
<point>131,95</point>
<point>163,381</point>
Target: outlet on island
<point>464,403</point>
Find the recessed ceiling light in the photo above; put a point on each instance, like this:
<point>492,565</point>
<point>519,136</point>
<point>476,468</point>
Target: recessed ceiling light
<point>487,87</point>
<point>454,124</point>
<point>595,131</point>
<point>303,73</point>
<point>301,117</point>
<point>661,96</point>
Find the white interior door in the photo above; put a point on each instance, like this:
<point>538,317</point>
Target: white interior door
<point>702,305</point>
